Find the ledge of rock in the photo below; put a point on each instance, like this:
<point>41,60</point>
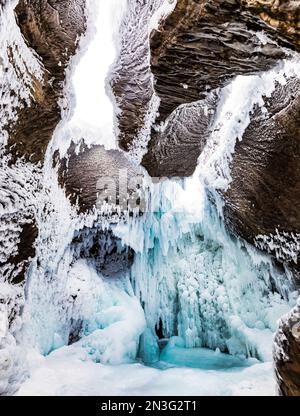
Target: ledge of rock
<point>85,172</point>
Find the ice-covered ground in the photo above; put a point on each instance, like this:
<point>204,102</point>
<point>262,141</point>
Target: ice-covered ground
<point>69,371</point>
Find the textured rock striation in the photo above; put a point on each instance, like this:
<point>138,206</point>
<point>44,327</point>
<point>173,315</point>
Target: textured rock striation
<point>173,149</point>
<point>200,47</point>
<point>52,29</point>
<point>85,173</point>
<point>131,78</point>
<point>263,206</point>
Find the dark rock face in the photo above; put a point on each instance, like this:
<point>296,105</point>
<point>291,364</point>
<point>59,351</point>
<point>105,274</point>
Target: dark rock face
<point>174,149</point>
<point>131,80</point>
<point>265,200</point>
<point>109,255</point>
<point>201,46</point>
<point>25,252</point>
<point>281,15</point>
<point>287,353</point>
<point>52,29</point>
<point>82,174</point>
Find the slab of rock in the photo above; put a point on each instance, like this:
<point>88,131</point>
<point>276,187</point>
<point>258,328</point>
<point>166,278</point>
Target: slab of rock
<point>131,78</point>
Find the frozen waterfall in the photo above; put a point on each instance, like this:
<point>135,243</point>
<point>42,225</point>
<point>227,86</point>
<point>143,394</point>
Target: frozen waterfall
<point>195,295</point>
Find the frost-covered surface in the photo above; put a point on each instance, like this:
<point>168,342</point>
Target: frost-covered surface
<point>12,366</point>
<point>237,102</point>
<point>286,246</point>
<point>18,67</point>
<point>19,190</point>
<point>196,281</point>
<point>69,371</point>
<point>288,322</point>
<point>80,302</point>
<point>20,195</point>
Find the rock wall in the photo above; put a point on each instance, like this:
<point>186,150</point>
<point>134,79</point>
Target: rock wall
<point>37,41</point>
<point>198,48</point>
<point>216,40</point>
<point>85,172</point>
<point>287,353</point>
<point>52,29</point>
<point>264,204</point>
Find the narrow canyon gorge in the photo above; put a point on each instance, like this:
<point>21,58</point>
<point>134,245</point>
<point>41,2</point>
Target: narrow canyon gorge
<point>150,197</point>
